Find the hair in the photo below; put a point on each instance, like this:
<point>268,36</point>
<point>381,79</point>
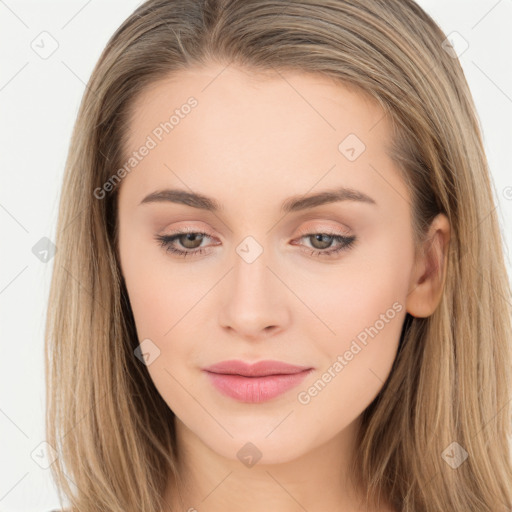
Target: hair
<point>451,378</point>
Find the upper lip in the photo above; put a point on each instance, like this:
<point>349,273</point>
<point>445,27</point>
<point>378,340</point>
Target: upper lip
<point>259,369</point>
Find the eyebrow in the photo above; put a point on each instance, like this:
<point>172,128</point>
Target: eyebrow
<point>292,204</point>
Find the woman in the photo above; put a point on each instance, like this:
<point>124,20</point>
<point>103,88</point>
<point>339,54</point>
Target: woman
<point>280,280</point>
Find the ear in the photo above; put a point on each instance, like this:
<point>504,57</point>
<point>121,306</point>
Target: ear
<point>429,272</point>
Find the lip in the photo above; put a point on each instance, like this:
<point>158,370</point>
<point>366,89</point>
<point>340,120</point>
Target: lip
<point>255,383</point>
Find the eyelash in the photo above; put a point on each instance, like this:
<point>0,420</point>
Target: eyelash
<point>167,241</point>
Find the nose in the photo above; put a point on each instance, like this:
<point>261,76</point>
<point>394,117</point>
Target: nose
<point>255,301</point>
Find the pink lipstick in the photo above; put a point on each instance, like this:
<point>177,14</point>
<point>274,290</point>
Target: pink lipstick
<point>254,383</point>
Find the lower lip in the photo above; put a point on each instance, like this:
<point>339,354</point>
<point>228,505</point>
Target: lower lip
<point>255,389</point>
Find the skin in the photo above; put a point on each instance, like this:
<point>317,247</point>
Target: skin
<point>251,143</point>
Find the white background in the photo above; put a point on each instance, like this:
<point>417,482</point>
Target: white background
<point>39,100</point>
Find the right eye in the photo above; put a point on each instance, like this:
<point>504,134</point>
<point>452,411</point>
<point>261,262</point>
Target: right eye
<point>184,238</point>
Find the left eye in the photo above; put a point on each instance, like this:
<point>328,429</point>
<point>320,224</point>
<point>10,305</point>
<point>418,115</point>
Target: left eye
<point>191,241</point>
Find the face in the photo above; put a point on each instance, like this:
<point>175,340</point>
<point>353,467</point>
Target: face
<point>267,272</point>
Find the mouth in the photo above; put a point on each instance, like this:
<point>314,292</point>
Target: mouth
<point>255,383</point>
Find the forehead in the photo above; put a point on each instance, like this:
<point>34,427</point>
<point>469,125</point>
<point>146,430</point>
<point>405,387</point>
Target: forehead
<point>230,97</point>
<point>257,132</point>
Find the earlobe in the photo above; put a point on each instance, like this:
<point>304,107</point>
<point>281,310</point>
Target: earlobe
<point>429,274</point>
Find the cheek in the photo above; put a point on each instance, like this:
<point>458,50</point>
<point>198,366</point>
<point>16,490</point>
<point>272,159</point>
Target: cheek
<point>356,361</point>
<point>364,308</point>
<point>364,301</point>
<point>160,300</point>
<point>160,294</point>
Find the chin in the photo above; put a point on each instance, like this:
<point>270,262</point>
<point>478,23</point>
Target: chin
<point>254,449</point>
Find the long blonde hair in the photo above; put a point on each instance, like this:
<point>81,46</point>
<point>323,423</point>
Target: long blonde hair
<point>451,379</point>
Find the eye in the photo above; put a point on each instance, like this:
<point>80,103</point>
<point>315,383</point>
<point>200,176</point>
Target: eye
<point>323,241</point>
<point>191,243</point>
<point>190,240</point>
